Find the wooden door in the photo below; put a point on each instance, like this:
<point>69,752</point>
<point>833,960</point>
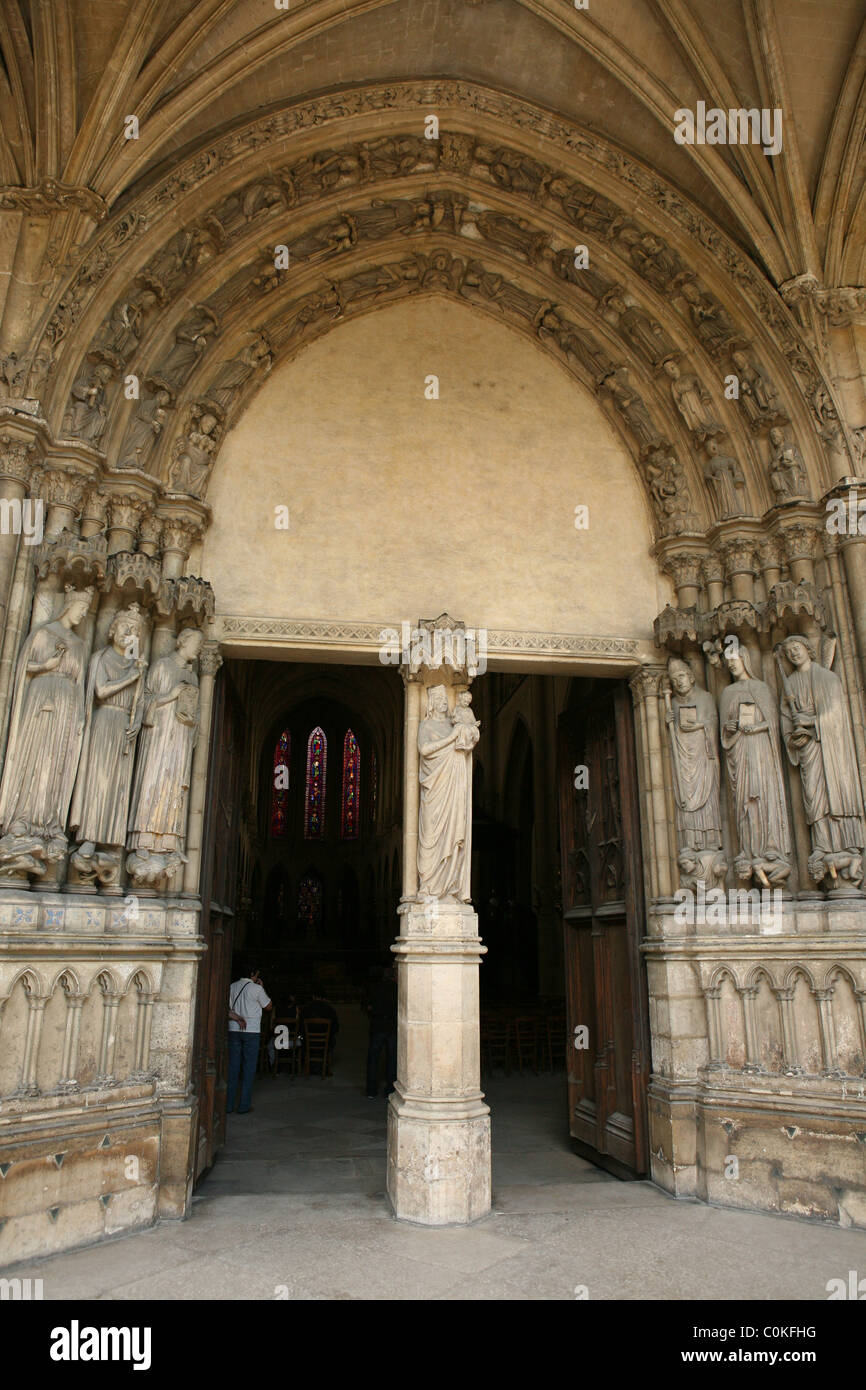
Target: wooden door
<point>602,898</point>
<point>219,879</point>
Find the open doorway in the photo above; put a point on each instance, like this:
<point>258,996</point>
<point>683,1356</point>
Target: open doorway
<point>558,888</point>
<point>308,799</point>
<point>305,806</point>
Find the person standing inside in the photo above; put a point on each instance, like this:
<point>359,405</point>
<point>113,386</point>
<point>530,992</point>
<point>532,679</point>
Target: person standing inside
<point>382,1008</point>
<point>247,1000</point>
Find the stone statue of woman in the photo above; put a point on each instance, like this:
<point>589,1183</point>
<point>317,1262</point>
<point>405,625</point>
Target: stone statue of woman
<point>100,803</point>
<point>157,821</point>
<point>45,734</point>
<point>693,728</point>
<point>445,814</point>
<point>750,738</point>
<point>816,727</point>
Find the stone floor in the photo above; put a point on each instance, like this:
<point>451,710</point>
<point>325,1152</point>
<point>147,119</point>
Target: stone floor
<point>295,1207</point>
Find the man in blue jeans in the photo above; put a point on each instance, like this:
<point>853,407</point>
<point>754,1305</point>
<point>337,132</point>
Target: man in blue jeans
<point>247,999</point>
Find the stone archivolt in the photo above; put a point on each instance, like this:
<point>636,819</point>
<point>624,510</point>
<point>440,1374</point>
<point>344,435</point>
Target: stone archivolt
<point>531,207</point>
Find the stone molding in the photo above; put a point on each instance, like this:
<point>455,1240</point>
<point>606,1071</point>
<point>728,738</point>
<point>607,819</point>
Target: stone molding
<point>303,632</point>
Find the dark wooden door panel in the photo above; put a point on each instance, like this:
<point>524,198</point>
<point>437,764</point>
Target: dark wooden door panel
<point>603,910</point>
<point>218,895</point>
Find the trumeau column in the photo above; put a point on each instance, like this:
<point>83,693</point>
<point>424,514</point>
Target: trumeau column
<point>209,663</point>
<point>438,1123</point>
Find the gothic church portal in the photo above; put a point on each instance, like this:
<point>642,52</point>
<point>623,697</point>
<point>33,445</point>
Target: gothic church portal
<point>324,327</point>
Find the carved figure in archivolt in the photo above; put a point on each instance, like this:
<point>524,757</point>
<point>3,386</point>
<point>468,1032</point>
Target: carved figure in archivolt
<point>445,744</point>
<point>726,482</point>
<point>816,727</point>
<point>652,259</point>
<point>788,476</point>
<point>192,455</point>
<point>630,405</point>
<point>157,820</point>
<point>711,324</point>
<point>86,415</point>
<point>692,401</point>
<point>234,374</point>
<point>693,728</point>
<point>190,340</point>
<point>113,702</point>
<point>148,423</point>
<point>669,487</point>
<point>45,730</point>
<point>758,396</point>
<point>750,738</point>
<point>122,330</point>
<point>645,335</point>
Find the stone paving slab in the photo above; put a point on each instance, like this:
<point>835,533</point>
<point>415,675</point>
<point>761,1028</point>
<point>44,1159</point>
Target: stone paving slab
<point>296,1202</point>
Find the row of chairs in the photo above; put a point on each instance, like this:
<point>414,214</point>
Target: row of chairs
<point>304,1046</point>
<point>522,1041</point>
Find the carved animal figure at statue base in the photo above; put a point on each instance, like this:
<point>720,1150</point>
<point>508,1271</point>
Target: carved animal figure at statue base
<point>154,871</point>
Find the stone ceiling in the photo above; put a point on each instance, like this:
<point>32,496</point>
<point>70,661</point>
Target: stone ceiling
<point>72,69</point>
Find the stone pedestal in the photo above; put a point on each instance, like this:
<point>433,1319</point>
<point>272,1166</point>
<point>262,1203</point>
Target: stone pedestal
<point>438,1123</point>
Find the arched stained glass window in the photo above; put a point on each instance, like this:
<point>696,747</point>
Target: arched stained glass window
<point>310,902</point>
<point>314,799</point>
<point>374,786</point>
<point>280,789</point>
<point>351,808</point>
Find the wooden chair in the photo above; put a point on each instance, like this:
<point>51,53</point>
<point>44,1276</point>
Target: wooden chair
<point>555,1029</point>
<point>496,1043</point>
<point>317,1044</point>
<point>287,1058</point>
<point>526,1042</point>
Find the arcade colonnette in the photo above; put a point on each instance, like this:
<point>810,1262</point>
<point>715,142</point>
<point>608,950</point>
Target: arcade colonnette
<point>168,380</point>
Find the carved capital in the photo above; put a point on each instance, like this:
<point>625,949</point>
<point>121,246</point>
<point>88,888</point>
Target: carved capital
<point>124,512</point>
<point>711,570</point>
<point>150,533</point>
<point>16,459</point>
<point>180,536</point>
<point>645,683</point>
<point>684,568</point>
<point>799,542</point>
<point>738,556</point>
<point>210,658</point>
<point>800,289</point>
<point>62,487</point>
<point>95,508</point>
<point>769,553</point>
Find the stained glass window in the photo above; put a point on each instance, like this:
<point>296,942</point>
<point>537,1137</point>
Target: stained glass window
<point>350,818</point>
<point>280,789</point>
<point>374,786</point>
<point>314,802</point>
<point>310,903</point>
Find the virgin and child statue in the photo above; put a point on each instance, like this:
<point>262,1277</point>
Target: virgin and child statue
<point>445,744</point>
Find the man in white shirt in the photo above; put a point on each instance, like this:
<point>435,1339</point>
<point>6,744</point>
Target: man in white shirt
<point>247,999</point>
